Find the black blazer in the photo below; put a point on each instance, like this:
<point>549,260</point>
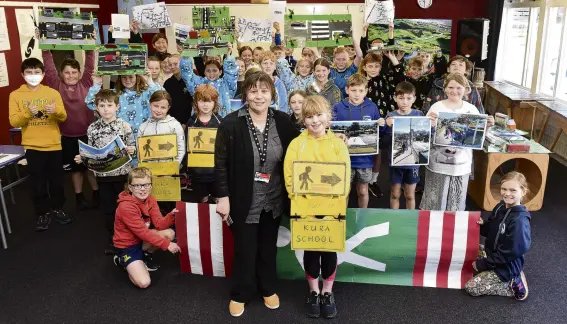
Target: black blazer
<point>234,161</point>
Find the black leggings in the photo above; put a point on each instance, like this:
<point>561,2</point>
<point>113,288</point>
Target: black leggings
<point>324,263</point>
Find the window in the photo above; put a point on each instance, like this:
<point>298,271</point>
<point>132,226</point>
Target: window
<point>518,43</point>
<point>551,55</point>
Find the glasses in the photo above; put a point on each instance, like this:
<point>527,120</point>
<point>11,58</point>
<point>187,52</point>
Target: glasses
<point>141,185</point>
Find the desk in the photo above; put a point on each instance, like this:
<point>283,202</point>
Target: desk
<point>507,98</point>
<point>14,132</point>
<point>533,165</point>
<point>18,154</point>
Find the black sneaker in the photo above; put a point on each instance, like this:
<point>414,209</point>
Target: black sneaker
<point>375,190</point>
<point>42,222</point>
<point>520,287</point>
<point>61,217</point>
<point>328,306</point>
<point>312,305</point>
<point>149,261</point>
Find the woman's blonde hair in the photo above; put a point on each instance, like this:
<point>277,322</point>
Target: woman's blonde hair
<point>137,173</point>
<point>139,87</point>
<point>313,105</point>
<point>516,176</point>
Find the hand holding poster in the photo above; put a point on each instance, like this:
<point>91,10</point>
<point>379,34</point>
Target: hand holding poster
<point>153,15</point>
<point>379,12</point>
<point>254,30</point>
<point>106,159</point>
<point>362,136</point>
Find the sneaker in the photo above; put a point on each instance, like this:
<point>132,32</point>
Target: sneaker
<point>61,217</point>
<point>42,222</point>
<point>272,302</point>
<point>312,305</point>
<point>375,190</point>
<point>149,261</point>
<point>235,308</point>
<point>328,306</point>
<point>520,287</point>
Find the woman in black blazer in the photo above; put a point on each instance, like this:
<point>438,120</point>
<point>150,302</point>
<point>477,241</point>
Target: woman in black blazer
<point>249,153</point>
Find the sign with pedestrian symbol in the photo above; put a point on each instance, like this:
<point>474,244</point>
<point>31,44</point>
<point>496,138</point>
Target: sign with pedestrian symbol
<point>201,140</point>
<point>319,178</point>
<point>155,147</point>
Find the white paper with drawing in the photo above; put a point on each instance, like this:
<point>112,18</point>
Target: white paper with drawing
<point>4,81</point>
<point>154,15</point>
<point>181,32</point>
<point>254,30</point>
<point>120,26</point>
<point>29,46</point>
<point>4,40</point>
<point>379,12</point>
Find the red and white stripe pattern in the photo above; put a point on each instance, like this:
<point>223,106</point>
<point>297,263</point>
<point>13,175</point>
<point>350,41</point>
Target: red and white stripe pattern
<point>447,245</point>
<point>205,240</point>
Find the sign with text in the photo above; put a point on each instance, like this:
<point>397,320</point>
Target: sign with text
<point>303,206</point>
<point>201,140</point>
<point>326,235</point>
<point>254,30</point>
<point>161,168</point>
<point>155,147</point>
<point>166,188</point>
<point>319,178</point>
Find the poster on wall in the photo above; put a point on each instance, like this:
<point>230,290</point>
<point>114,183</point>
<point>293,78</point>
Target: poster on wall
<point>4,81</point>
<point>4,40</point>
<point>26,20</point>
<point>125,7</point>
<point>418,34</point>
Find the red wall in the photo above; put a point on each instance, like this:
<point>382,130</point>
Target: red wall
<point>14,60</point>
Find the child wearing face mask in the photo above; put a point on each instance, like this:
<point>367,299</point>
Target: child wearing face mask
<point>134,92</point>
<point>38,110</point>
<point>268,66</point>
<point>296,99</point>
<point>205,106</point>
<point>447,175</point>
<point>73,88</point>
<point>225,86</point>
<point>318,144</point>
<point>162,123</point>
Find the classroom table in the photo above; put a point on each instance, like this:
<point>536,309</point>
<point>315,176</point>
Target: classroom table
<point>19,154</point>
<point>485,191</point>
<point>511,97</point>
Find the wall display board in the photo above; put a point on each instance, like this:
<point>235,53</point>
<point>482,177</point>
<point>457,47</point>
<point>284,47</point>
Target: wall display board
<point>63,29</point>
<point>212,34</point>
<point>121,59</point>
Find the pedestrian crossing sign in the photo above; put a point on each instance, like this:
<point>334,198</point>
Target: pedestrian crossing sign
<point>157,147</point>
<point>319,178</point>
<point>201,140</point>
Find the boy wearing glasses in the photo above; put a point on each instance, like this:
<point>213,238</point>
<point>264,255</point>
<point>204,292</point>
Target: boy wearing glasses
<point>99,134</point>
<point>140,229</point>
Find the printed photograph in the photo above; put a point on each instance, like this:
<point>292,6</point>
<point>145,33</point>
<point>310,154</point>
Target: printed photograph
<point>362,136</point>
<point>410,141</point>
<point>103,160</point>
<point>460,130</point>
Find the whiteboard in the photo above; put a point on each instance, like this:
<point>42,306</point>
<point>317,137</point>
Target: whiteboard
<point>182,13</point>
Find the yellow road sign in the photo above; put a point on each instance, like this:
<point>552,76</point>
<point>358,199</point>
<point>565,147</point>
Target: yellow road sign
<point>319,178</point>
<point>157,147</point>
<point>201,140</point>
<point>312,206</point>
<point>312,234</point>
<point>166,188</point>
<point>200,160</point>
<point>161,168</point>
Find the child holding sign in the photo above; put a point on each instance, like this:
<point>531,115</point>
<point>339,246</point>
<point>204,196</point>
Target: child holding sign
<point>161,123</point>
<point>137,212</point>
<point>205,105</point>
<point>317,145</point>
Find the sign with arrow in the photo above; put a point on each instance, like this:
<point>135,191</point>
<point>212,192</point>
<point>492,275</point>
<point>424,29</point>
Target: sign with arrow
<point>157,147</point>
<point>319,178</point>
<point>201,140</point>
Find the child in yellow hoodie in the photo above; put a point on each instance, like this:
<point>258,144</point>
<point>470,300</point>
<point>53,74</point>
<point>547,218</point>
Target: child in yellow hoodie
<point>38,110</point>
<point>317,144</point>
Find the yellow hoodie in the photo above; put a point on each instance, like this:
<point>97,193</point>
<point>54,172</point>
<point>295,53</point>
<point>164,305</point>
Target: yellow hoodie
<point>39,132</point>
<point>327,148</point>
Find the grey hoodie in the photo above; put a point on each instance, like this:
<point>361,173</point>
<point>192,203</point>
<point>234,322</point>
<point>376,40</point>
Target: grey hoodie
<point>168,125</point>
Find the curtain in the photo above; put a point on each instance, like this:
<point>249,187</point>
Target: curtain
<point>495,10</point>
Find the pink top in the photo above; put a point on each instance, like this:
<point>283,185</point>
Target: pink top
<point>79,117</point>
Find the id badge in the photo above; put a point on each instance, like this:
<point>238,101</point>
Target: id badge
<point>262,177</point>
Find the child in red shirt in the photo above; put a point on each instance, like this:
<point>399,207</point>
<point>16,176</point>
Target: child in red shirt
<point>140,229</point>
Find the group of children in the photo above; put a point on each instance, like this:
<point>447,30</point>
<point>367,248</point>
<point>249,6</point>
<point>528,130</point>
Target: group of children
<point>371,86</point>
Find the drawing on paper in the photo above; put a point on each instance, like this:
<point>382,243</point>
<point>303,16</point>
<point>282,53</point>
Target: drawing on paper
<point>121,59</point>
<point>254,30</point>
<point>153,15</point>
<point>410,141</point>
<point>318,30</point>
<point>362,136</point>
<point>62,29</point>
<point>212,34</point>
<point>379,12</point>
<point>460,130</point>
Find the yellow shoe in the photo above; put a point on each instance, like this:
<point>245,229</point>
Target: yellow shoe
<point>272,302</point>
<point>236,309</point>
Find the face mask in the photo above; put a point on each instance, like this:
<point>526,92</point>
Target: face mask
<point>34,79</point>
